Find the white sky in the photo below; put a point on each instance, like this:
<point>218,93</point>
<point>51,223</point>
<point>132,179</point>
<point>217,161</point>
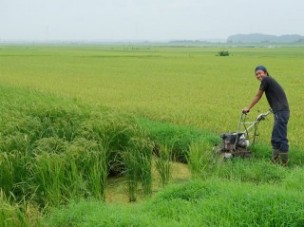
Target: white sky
<point>90,20</point>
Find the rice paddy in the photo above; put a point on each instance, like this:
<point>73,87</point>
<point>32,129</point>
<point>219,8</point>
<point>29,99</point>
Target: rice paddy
<point>75,119</point>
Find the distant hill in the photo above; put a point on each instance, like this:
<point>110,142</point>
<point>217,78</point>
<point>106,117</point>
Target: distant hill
<point>263,38</point>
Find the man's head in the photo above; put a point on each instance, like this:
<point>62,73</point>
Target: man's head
<point>261,72</point>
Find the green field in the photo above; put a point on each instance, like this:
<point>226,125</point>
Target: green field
<point>65,108</point>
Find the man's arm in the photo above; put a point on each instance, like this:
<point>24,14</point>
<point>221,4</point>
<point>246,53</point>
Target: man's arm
<point>255,100</point>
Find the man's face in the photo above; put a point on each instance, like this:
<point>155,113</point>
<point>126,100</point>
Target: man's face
<point>260,74</point>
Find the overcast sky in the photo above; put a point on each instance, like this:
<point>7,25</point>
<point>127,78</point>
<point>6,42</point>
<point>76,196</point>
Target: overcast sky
<point>89,20</point>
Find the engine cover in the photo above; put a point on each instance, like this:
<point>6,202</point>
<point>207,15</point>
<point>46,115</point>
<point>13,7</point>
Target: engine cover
<point>233,141</point>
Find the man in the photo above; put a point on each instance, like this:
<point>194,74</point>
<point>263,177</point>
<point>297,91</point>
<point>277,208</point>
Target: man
<point>277,100</point>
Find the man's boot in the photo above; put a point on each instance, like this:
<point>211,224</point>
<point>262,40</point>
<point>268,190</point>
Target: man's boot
<point>275,155</point>
<point>284,158</point>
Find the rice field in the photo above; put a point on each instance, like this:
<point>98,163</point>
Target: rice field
<point>74,118</point>
<point>187,86</point>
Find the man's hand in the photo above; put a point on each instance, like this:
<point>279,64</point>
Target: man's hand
<point>255,100</point>
<point>245,110</point>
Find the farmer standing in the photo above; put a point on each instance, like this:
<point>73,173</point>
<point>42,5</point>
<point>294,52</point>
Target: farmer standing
<point>277,100</point>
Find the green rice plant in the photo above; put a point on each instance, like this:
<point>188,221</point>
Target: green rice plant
<point>138,161</point>
<point>132,172</point>
<point>16,172</point>
<point>14,214</point>
<point>50,155</point>
<point>8,213</point>
<point>49,178</point>
<point>201,159</point>
<point>113,132</point>
<point>163,164</point>
<point>178,138</point>
<point>145,148</point>
<point>6,171</point>
<point>135,174</point>
<point>98,175</point>
<point>91,163</point>
<point>79,170</point>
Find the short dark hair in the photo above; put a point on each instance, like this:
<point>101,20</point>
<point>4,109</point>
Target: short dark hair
<point>261,67</point>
